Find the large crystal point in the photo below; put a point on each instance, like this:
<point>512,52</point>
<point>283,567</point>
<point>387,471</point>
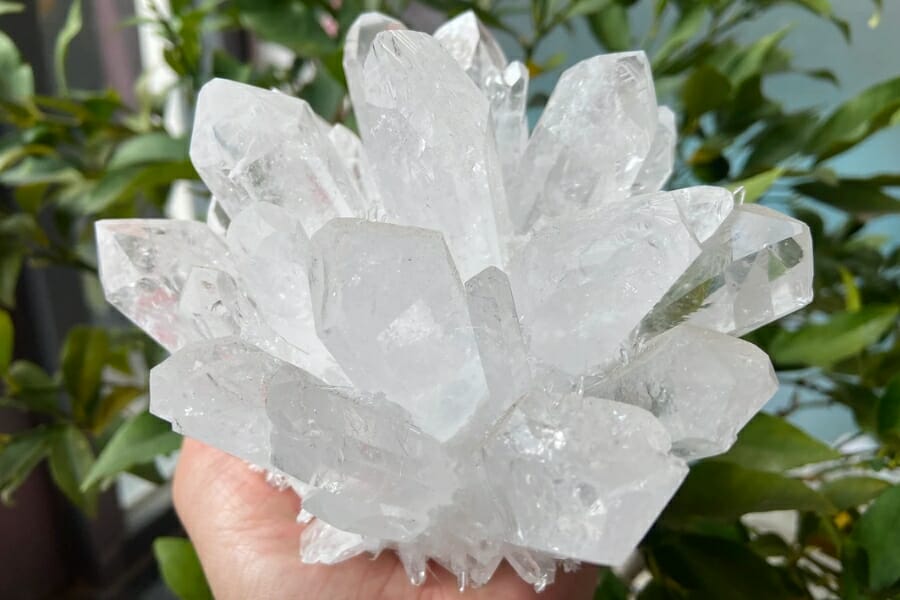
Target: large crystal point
<point>390,307</point>
<point>352,153</point>
<point>259,237</point>
<point>144,264</point>
<point>436,164</point>
<point>568,492</point>
<point>702,414</point>
<point>660,160</point>
<point>591,140</point>
<point>384,459</point>
<point>215,391</point>
<point>582,285</point>
<point>252,145</point>
<point>473,46</point>
<point>755,269</point>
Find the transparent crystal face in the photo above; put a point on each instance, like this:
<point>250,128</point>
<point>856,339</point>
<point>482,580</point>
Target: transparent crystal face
<point>453,339</point>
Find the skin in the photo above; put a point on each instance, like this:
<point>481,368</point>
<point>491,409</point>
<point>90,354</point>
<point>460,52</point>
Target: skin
<point>247,538</point>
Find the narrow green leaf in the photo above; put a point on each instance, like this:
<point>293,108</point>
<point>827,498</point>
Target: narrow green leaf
<point>180,568</point>
<point>7,337</point>
<point>704,90</point>
<point>852,298</point>
<point>11,7</point>
<point>33,387</point>
<point>610,27</point>
<point>756,187</point>
<point>39,169</point>
<point>16,77</point>
<point>782,136</point>
<point>70,460</point>
<point>854,491</point>
<point>123,184</point>
<point>154,147</point>
<point>769,443</point>
<point>111,404</point>
<point>857,196</point>
<point>20,456</point>
<point>842,336</point>
<point>139,440</point>
<point>752,60</point>
<point>10,266</point>
<point>585,7</point>
<point>889,409</point>
<point>876,533</point>
<point>70,29</point>
<point>83,358</point>
<point>726,491</point>
<point>292,24</point>
<point>857,119</point>
<point>689,24</point>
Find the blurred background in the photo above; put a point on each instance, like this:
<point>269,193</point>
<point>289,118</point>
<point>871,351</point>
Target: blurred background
<point>796,101</point>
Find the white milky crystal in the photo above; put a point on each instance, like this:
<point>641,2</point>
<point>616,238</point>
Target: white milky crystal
<point>390,307</point>
<point>539,413</point>
<point>702,414</point>
<point>436,165</point>
<point>564,169</point>
<point>252,145</point>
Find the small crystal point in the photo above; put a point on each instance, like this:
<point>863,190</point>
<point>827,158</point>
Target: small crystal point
<point>660,160</point>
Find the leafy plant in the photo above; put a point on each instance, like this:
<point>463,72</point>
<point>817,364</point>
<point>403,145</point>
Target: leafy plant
<point>77,156</point>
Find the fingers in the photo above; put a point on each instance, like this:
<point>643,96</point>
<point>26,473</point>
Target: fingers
<point>244,530</point>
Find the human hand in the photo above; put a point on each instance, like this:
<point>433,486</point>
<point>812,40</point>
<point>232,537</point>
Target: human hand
<point>246,535</point>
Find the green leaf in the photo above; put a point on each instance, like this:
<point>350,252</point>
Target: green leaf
<point>292,24</point>
<point>585,7</point>
<point>755,187</point>
<point>857,119</point>
<point>610,27</point>
<point>70,29</point>
<point>842,336</point>
<point>876,533</point>
<point>33,387</point>
<point>40,169</point>
<point>7,337</point>
<point>139,440</point>
<point>10,267</point>
<point>611,587</point>
<point>704,90</point>
<point>857,196</point>
<point>71,457</point>
<point>16,78</point>
<point>20,456</point>
<point>11,7</point>
<point>854,491</point>
<point>769,443</point>
<point>123,184</point>
<point>689,24</point>
<point>180,568</point>
<point>110,405</point>
<point>154,147</point>
<point>84,355</point>
<point>782,136</point>
<point>889,410</point>
<point>752,60</point>
<point>727,491</point>
<point>712,567</point>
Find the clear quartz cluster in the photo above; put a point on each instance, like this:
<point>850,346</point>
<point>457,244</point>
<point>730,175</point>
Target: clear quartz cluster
<point>454,339</point>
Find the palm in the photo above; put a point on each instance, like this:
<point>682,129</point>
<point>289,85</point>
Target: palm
<point>247,537</point>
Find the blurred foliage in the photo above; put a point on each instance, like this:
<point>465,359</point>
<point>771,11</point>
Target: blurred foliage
<point>77,156</point>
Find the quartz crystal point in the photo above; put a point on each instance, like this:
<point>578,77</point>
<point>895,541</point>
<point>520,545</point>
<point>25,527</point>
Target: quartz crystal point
<point>454,341</point>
